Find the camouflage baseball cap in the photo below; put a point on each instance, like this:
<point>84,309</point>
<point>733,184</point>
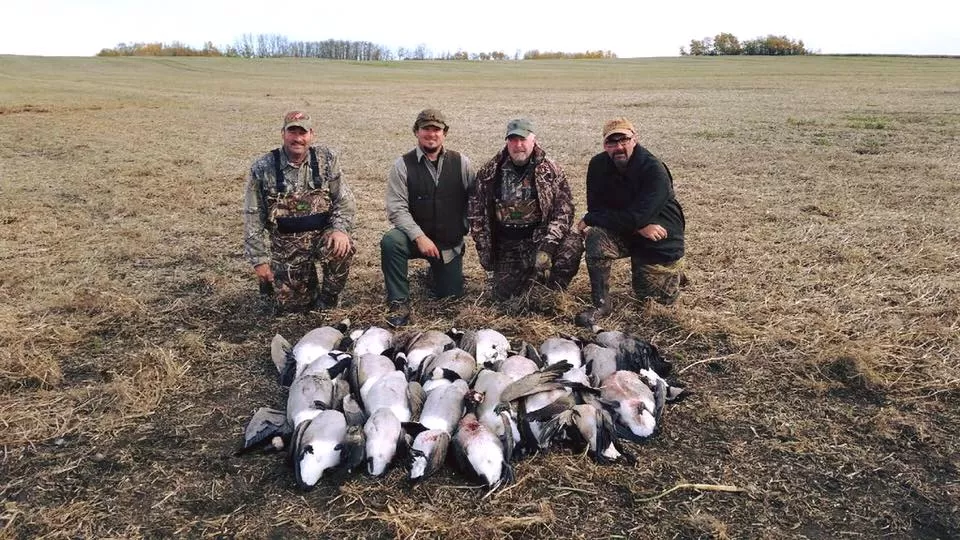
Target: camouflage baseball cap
<point>297,119</point>
<point>430,117</point>
<point>618,125</point>
<point>520,126</point>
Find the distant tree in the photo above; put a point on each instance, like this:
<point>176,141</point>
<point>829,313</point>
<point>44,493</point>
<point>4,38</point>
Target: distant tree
<point>701,47</point>
<point>536,54</point>
<point>421,52</point>
<point>774,46</point>
<point>209,49</point>
<point>726,44</point>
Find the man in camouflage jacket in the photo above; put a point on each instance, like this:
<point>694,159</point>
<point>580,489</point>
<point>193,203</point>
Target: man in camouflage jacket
<point>298,213</point>
<point>521,217</point>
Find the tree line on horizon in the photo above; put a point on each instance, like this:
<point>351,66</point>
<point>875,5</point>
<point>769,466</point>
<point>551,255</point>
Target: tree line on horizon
<point>726,43</point>
<point>276,46</point>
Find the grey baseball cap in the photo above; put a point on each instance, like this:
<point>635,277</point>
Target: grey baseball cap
<point>521,127</point>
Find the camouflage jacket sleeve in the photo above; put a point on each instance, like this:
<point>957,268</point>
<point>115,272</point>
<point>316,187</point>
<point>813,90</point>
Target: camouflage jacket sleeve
<point>343,209</point>
<point>480,212</point>
<point>556,203</point>
<point>256,244</point>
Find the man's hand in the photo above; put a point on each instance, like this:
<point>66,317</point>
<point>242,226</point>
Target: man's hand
<point>581,225</point>
<point>542,265</point>
<point>338,244</point>
<point>426,247</point>
<point>264,273</point>
<point>653,232</point>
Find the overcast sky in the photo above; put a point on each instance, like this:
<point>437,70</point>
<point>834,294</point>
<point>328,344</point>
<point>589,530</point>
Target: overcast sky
<point>629,28</point>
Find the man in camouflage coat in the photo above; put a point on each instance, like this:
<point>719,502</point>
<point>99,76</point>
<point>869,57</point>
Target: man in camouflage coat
<point>298,213</point>
<point>521,217</point>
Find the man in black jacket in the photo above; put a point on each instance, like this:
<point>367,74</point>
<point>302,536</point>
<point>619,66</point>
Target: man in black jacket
<point>632,211</point>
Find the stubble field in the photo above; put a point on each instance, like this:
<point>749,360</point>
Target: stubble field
<point>819,330</point>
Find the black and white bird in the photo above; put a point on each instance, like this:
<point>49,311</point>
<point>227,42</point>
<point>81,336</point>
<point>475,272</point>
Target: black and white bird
<point>316,446</point>
<point>479,452</point>
<point>315,345</point>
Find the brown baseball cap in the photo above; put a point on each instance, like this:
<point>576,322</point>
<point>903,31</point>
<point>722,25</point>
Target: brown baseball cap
<point>297,119</point>
<point>430,117</point>
<point>618,126</point>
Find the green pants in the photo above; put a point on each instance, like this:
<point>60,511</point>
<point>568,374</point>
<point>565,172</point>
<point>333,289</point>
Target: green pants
<point>396,250</point>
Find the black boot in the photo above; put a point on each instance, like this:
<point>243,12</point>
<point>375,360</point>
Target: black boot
<point>399,314</point>
<point>323,301</point>
<point>600,294</point>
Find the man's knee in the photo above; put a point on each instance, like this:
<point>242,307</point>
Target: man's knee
<point>659,282</point>
<point>598,244</point>
<point>393,242</point>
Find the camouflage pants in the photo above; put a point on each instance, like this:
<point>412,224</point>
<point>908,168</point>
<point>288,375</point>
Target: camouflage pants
<point>513,266</point>
<point>658,281</point>
<point>294,259</point>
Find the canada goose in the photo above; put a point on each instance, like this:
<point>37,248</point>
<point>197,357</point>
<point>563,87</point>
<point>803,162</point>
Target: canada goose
<point>394,392</point>
<point>535,398</point>
<point>601,362</point>
<point>317,446</point>
<point>593,426</point>
<point>487,346</point>
<point>634,353</point>
<point>479,452</point>
<point>427,452</point>
<point>635,406</point>
<point>491,384</point>
<point>440,377</point>
<point>315,344</point>
<point>457,360</point>
<point>268,430</point>
<point>444,406</point>
<point>367,368</point>
<point>419,345</point>
<point>383,434</point>
<point>558,349</point>
<point>431,435</point>
<point>373,340</point>
<point>315,389</point>
<point>516,367</point>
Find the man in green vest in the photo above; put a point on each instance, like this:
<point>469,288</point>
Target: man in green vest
<point>426,203</point>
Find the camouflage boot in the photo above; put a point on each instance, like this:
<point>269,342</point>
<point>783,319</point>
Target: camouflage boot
<point>323,301</point>
<point>269,300</point>
<point>600,294</point>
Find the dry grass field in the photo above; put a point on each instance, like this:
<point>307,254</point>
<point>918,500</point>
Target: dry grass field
<point>820,329</point>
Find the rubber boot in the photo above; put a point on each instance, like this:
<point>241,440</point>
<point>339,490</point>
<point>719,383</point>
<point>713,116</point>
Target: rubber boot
<point>600,294</point>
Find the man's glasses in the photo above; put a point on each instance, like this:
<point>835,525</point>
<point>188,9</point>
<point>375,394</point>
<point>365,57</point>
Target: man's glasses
<point>619,142</point>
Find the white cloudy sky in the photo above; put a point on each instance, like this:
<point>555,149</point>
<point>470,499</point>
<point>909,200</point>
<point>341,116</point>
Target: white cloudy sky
<point>627,27</point>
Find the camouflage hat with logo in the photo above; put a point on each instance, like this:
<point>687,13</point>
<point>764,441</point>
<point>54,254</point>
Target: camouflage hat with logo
<point>297,119</point>
<point>620,126</point>
<point>430,117</point>
<point>521,127</point>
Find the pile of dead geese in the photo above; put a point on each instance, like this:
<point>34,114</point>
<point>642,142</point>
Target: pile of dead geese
<point>369,399</point>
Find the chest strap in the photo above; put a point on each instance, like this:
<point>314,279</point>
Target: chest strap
<point>278,169</point>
